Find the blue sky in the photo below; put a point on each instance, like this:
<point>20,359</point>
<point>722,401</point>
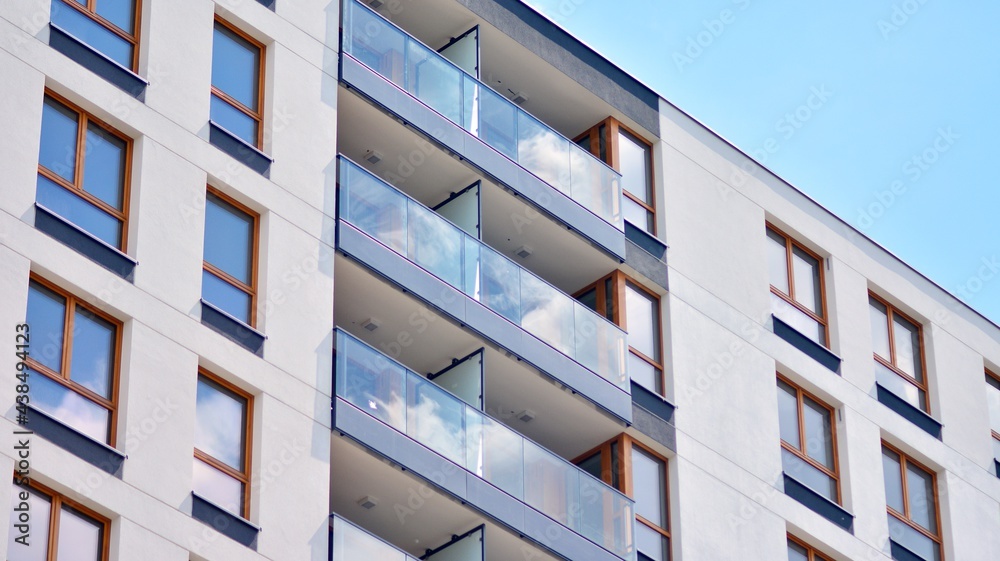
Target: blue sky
<point>901,143</point>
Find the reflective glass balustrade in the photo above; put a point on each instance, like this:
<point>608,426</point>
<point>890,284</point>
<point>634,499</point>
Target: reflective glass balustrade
<point>467,102</point>
<point>351,543</point>
<point>408,402</point>
<point>435,244</point>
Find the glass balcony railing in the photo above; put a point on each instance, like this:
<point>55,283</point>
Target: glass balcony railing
<point>351,543</point>
<point>474,106</point>
<point>427,413</point>
<point>467,264</point>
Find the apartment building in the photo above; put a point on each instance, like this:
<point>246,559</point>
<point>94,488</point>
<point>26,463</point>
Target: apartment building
<point>395,280</point>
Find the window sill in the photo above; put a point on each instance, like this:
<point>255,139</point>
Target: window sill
<point>85,243</point>
<point>97,62</point>
<point>646,241</point>
<point>900,553</point>
<point>226,523</point>
<point>928,424</point>
<point>269,4</point>
<point>96,453</point>
<point>239,149</point>
<point>652,402</point>
<point>817,352</point>
<point>818,503</point>
<point>996,467</point>
<point>239,332</point>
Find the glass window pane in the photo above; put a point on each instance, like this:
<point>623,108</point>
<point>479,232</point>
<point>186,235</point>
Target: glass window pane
<point>86,216</point>
<point>70,407</point>
<point>637,215</point>
<point>992,396</point>
<point>642,315</point>
<point>59,138</point>
<point>92,33</point>
<point>222,423</point>
<point>93,360</point>
<point>808,475</point>
<point>592,465</point>
<point>650,543</point>
<point>913,540</point>
<point>633,157</point>
<point>218,487</point>
<point>777,260</point>
<point>920,493</point>
<point>645,374</point>
<point>880,328</point>
<point>892,472</point>
<point>118,12</point>
<point>898,385</point>
<point>229,238</point>
<point>235,66</point>
<point>39,507</point>
<point>649,478</point>
<point>47,318</point>
<point>796,552</point>
<point>104,166</point>
<point>788,414</point>
<point>234,121</point>
<point>907,338</point>
<point>819,432</point>
<point>225,296</point>
<point>807,287</point>
<point>80,537</point>
<point>798,320</point>
<point>589,299</point>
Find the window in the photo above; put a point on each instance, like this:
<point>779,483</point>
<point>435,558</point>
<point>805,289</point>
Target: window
<point>797,296</point>
<point>808,440</point>
<point>110,27</point>
<point>898,350</point>
<point>60,528</point>
<point>637,311</point>
<point>83,170</point>
<point>74,361</point>
<point>800,551</point>
<point>237,77</point>
<point>911,502</point>
<point>641,474</point>
<point>993,395</point>
<point>632,156</point>
<point>230,262</point>
<point>222,444</point>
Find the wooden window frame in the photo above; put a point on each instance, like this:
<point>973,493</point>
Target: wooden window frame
<point>790,246</point>
<point>249,289</point>
<point>243,477</point>
<point>56,502</point>
<point>611,128</point>
<point>90,10</point>
<point>82,120</point>
<point>258,115</point>
<point>625,444</point>
<point>619,281</point>
<point>890,312</point>
<point>800,395</point>
<point>996,378</point>
<point>812,554</point>
<point>904,517</point>
<point>63,378</point>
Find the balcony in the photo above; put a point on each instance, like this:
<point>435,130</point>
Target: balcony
<point>379,400</point>
<point>461,99</point>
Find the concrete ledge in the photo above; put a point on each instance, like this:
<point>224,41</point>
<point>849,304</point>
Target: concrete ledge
<point>221,520</point>
<point>928,424</point>
<point>84,243</point>
<point>817,352</point>
<point>239,149</point>
<point>239,332</point>
<point>900,553</point>
<point>97,62</point>
<point>95,453</point>
<point>819,504</point>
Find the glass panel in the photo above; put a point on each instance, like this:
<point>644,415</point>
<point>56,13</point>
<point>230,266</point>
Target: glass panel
<point>650,543</point>
<point>92,33</point>
<point>499,288</point>
<point>637,215</point>
<point>807,474</point>
<point>880,328</point>
<point>649,478</point>
<point>798,320</point>
<point>643,319</point>
<point>907,338</point>
<point>118,12</point>
<point>434,244</point>
<point>218,487</point>
<point>47,318</point>
<point>495,453</point>
<point>913,540</point>
<point>589,299</point>
<point>547,314</point>
<point>433,80</point>
<point>233,120</point>
<point>70,407</point>
<point>601,347</point>
<point>225,296</point>
<point>992,397</point>
<point>892,472</point>
<point>93,361</point>
<point>605,517</point>
<point>777,260</point>
<point>645,374</point>
<point>553,486</point>
<point>543,152</point>
<point>796,552</point>
<point>635,165</point>
<point>222,424</point>
<point>788,414</point>
<point>235,66</point>
<point>375,43</point>
<point>594,185</point>
<point>592,465</point>
<point>435,418</point>
<point>372,207</point>
<point>59,137</point>
<point>86,216</point>
<point>807,288</point>
<point>351,543</point>
<point>819,432</point>
<point>229,238</point>
<point>920,494</point>
<point>80,537</point>
<point>371,382</point>
<point>498,122</point>
<point>104,166</point>
<point>470,104</point>
<point>899,386</point>
<point>37,526</point>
